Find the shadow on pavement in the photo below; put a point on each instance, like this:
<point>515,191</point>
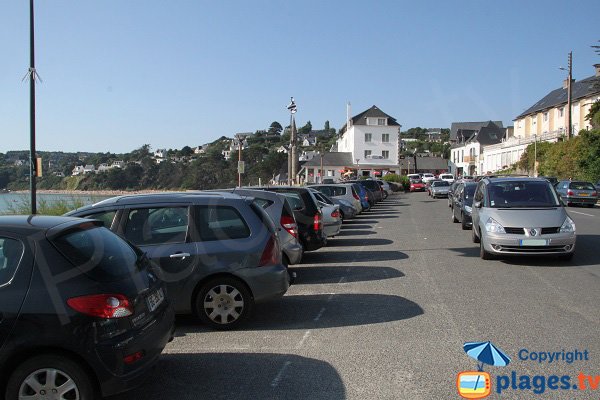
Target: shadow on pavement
<point>336,257</point>
<point>318,311</point>
<point>341,274</point>
<point>380,216</point>
<point>466,251</point>
<point>239,376</point>
<point>354,226</point>
<point>353,232</point>
<point>359,220</point>
<point>358,242</point>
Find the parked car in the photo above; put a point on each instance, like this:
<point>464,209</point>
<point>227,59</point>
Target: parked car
<point>552,179</point>
<point>385,186</point>
<point>577,192</point>
<point>332,219</point>
<point>428,177</point>
<point>428,185</point>
<point>347,210</point>
<point>280,211</point>
<point>521,216</point>
<point>218,252</point>
<point>366,200</point>
<point>413,176</point>
<point>374,187</point>
<point>439,189</point>
<point>447,177</point>
<point>417,185</point>
<point>463,204</point>
<point>453,187</point>
<point>307,213</point>
<point>346,191</point>
<point>80,310</point>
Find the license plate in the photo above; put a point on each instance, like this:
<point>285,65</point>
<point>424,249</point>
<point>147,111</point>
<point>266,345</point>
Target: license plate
<point>155,299</point>
<point>533,242</point>
<point>584,194</point>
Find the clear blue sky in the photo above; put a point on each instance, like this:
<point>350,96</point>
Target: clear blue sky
<point>121,73</point>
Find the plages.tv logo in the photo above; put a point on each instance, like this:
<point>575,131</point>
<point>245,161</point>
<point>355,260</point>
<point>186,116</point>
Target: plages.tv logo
<point>478,384</point>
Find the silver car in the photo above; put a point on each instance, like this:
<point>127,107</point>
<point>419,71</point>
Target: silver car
<point>521,216</point>
<point>332,219</point>
<point>439,189</point>
<point>344,191</point>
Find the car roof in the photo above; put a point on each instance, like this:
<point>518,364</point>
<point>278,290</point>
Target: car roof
<point>515,179</point>
<point>36,223</point>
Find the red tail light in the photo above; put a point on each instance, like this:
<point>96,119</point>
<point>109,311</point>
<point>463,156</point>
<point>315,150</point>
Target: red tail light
<point>355,196</point>
<point>102,305</point>
<point>570,193</point>
<point>131,358</point>
<point>335,214</point>
<point>271,254</point>
<point>594,193</point>
<point>289,224</point>
<point>317,222</point>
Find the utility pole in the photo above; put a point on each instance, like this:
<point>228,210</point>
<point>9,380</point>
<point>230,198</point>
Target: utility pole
<point>293,156</point>
<point>569,94</point>
<point>32,76</point>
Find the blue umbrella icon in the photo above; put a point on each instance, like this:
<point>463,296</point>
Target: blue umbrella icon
<point>486,353</point>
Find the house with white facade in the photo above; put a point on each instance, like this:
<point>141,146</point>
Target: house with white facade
<point>547,119</point>
<point>78,170</point>
<point>371,138</point>
<point>469,139</point>
<point>118,164</point>
<point>103,168</point>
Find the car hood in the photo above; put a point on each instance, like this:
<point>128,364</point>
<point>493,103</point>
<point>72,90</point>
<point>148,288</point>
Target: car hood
<point>440,188</point>
<point>529,217</point>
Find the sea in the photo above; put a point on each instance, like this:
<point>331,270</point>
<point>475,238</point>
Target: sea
<point>11,203</point>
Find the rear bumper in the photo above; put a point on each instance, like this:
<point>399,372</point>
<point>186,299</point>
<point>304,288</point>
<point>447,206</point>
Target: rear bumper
<point>557,244</point>
<point>312,241</point>
<point>580,200</point>
<point>293,251</point>
<point>116,377</point>
<point>332,229</point>
<point>266,283</point>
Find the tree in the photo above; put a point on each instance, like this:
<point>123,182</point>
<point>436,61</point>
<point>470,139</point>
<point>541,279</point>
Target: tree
<point>187,151</point>
<point>594,115</point>
<point>305,129</point>
<point>275,128</point>
<point>326,127</point>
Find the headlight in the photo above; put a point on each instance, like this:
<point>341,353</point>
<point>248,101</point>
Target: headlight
<point>492,226</point>
<point>468,209</point>
<point>568,226</point>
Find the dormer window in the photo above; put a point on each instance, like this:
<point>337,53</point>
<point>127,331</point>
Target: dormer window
<point>377,121</point>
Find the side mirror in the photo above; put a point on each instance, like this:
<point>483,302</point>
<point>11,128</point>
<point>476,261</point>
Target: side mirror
<point>477,204</point>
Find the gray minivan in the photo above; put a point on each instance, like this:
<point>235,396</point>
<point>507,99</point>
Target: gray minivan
<point>218,253</point>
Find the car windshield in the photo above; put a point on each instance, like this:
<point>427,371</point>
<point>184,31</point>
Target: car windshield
<point>522,194</point>
<point>581,186</point>
<point>440,183</point>
<point>416,181</point>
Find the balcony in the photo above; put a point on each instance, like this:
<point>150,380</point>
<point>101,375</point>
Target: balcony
<point>470,159</point>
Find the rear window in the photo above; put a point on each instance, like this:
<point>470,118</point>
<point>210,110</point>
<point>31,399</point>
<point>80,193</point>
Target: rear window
<point>11,252</point>
<point>294,199</point>
<point>581,186</point>
<point>98,252</point>
<point>220,223</point>
<point>106,217</point>
<point>440,183</point>
<point>332,191</point>
<point>262,203</point>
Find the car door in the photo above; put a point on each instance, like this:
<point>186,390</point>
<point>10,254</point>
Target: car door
<point>457,200</point>
<point>16,263</point>
<point>163,233</point>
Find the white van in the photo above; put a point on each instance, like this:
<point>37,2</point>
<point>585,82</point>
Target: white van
<point>447,177</point>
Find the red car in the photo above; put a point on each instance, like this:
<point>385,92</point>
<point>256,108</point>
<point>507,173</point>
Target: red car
<point>417,185</point>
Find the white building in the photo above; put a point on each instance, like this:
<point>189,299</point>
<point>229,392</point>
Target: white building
<point>469,139</point>
<point>372,139</point>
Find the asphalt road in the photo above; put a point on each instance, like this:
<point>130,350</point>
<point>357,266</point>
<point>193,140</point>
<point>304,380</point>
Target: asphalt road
<point>383,313</point>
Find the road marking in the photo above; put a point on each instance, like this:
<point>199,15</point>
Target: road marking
<point>341,279</point>
<point>277,378</point>
<point>318,317</point>
<point>306,335</point>
<point>577,212</point>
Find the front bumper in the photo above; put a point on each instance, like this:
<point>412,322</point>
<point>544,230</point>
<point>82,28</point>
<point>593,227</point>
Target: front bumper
<point>508,244</point>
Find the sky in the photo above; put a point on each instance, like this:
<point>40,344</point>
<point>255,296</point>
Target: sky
<point>117,74</point>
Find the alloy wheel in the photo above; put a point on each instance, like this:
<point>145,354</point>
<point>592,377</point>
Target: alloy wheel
<point>49,383</point>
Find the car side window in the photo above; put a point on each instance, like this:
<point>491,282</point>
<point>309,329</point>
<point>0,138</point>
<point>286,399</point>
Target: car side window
<point>149,226</point>
<point>479,193</point>
<point>107,217</point>
<point>11,253</point>
<point>220,223</point>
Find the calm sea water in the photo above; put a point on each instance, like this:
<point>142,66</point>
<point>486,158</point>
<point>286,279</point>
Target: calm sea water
<point>14,201</point>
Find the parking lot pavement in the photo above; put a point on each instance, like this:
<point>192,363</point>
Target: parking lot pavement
<point>383,311</point>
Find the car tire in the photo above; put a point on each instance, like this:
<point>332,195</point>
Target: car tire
<point>65,369</point>
<point>463,225</point>
<point>474,236</point>
<point>227,294</point>
<point>485,255</point>
<point>454,217</point>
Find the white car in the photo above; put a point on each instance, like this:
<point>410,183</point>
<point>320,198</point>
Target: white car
<point>448,178</point>
<point>428,177</point>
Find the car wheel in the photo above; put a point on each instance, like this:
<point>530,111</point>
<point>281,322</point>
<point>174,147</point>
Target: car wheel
<point>223,303</point>
<point>474,236</point>
<point>485,255</point>
<point>463,224</point>
<point>454,217</point>
<point>50,376</point>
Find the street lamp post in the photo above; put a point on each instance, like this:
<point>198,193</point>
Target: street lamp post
<point>239,139</point>
<point>293,156</point>
<point>535,155</point>
<point>32,76</point>
<point>569,94</point>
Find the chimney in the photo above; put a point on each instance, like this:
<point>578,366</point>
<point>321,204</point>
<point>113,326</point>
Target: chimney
<point>566,81</point>
<point>597,67</point>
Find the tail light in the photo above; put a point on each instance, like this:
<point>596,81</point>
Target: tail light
<point>335,214</point>
<point>131,358</point>
<point>570,193</point>
<point>289,224</point>
<point>271,254</point>
<point>594,193</point>
<point>102,305</point>
<point>355,196</point>
<point>317,222</point>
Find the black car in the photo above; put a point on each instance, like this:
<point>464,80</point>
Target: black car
<point>462,203</point>
<point>373,186</point>
<point>80,310</point>
<point>307,213</point>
